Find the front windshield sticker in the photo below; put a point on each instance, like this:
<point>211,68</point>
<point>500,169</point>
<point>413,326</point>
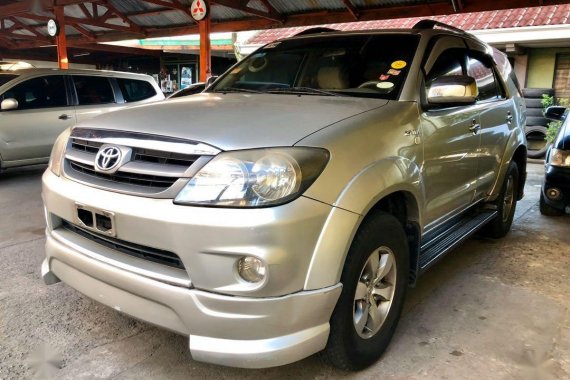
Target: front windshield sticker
<point>272,45</point>
<point>384,77</point>
<point>399,65</point>
<point>385,85</point>
<point>394,72</point>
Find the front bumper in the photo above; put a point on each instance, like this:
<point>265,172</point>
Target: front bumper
<point>234,329</point>
<point>558,178</point>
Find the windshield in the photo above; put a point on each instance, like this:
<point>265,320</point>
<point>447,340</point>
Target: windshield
<point>350,65</point>
<point>5,78</point>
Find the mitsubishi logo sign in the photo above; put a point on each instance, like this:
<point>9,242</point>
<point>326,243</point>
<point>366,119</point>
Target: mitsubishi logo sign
<point>199,10</point>
<point>108,158</point>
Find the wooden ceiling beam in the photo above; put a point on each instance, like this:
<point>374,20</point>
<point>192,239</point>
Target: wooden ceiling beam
<point>242,6</point>
<point>15,9</point>
<point>85,32</point>
<point>175,4</point>
<point>136,28</point>
<point>352,9</point>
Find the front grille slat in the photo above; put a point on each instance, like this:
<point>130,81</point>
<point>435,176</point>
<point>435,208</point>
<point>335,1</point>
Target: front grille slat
<point>126,178</point>
<point>132,249</point>
<point>154,170</point>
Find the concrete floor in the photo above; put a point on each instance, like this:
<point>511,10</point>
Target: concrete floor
<point>490,310</point>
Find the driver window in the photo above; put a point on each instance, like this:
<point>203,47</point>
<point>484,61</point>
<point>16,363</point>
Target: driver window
<point>42,92</point>
<point>450,63</point>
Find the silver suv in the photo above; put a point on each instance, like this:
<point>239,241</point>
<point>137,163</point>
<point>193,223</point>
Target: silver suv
<point>36,105</point>
<point>286,210</point>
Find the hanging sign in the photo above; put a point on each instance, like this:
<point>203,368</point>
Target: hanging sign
<point>199,10</point>
<point>52,28</point>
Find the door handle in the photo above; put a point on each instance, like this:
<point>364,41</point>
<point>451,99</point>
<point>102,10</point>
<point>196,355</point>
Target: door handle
<point>509,118</point>
<point>64,117</point>
<point>475,128</point>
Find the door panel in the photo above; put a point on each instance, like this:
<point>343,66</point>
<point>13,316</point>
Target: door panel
<point>495,132</point>
<point>450,161</point>
<point>496,113</point>
<point>29,132</point>
<point>95,96</point>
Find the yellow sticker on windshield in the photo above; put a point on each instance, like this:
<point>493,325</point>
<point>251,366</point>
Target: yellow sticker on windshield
<point>399,65</point>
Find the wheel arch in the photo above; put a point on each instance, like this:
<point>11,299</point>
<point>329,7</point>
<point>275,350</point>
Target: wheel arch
<point>399,202</point>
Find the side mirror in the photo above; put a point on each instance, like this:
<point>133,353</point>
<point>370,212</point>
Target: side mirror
<point>455,90</point>
<point>9,104</point>
<point>211,80</point>
<point>555,113</point>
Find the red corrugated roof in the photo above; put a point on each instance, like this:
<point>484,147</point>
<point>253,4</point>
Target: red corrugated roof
<point>500,19</point>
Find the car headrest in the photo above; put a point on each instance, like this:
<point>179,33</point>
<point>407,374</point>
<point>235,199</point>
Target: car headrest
<point>332,78</point>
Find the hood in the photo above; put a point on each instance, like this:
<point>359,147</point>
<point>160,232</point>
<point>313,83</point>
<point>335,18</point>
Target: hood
<point>237,121</point>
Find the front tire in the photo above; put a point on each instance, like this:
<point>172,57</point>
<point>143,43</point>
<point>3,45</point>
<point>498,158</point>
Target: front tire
<point>375,279</point>
<point>548,210</point>
<point>506,205</point>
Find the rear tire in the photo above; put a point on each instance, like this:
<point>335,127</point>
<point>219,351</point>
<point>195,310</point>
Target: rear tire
<point>506,205</point>
<point>548,210</point>
<point>359,333</point>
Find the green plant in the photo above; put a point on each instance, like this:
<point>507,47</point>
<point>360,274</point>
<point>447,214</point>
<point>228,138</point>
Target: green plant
<point>553,126</point>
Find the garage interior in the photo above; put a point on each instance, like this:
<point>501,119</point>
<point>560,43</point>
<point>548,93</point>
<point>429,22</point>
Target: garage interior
<point>492,309</point>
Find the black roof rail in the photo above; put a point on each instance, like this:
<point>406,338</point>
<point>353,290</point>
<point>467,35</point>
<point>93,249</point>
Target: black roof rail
<point>431,24</point>
<point>315,31</point>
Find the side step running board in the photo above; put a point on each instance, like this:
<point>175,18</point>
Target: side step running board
<point>435,249</point>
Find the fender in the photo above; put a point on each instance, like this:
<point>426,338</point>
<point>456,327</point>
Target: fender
<point>360,195</point>
<point>516,140</point>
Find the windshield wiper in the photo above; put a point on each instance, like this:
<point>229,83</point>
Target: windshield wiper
<point>302,90</point>
<point>237,89</point>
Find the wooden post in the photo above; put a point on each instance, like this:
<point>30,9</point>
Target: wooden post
<point>205,47</point>
<point>61,39</point>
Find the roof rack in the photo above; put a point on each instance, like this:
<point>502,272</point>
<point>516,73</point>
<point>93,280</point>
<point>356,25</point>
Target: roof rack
<point>431,24</point>
<point>315,31</point>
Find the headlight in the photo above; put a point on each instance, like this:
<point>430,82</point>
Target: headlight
<point>58,151</point>
<point>254,178</point>
<point>559,158</point>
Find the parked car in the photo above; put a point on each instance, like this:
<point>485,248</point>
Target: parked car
<point>555,195</point>
<point>36,105</point>
<point>286,210</point>
<point>193,89</point>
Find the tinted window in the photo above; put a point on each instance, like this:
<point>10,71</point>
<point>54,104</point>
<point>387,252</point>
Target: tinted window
<point>136,90</point>
<point>93,90</point>
<point>5,78</point>
<point>449,63</point>
<point>356,65</point>
<point>42,92</point>
<point>485,78</point>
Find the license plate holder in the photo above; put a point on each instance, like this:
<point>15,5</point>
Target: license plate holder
<point>93,219</point>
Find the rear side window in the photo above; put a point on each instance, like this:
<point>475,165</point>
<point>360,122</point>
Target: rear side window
<point>42,92</point>
<point>485,77</point>
<point>93,90</point>
<point>136,90</point>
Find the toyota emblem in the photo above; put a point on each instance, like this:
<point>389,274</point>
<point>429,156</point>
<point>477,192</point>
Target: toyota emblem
<point>108,158</point>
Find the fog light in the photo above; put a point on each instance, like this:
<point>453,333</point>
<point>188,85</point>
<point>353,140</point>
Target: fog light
<point>553,194</point>
<point>251,269</point>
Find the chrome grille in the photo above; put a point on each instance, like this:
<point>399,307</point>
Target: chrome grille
<point>157,166</point>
